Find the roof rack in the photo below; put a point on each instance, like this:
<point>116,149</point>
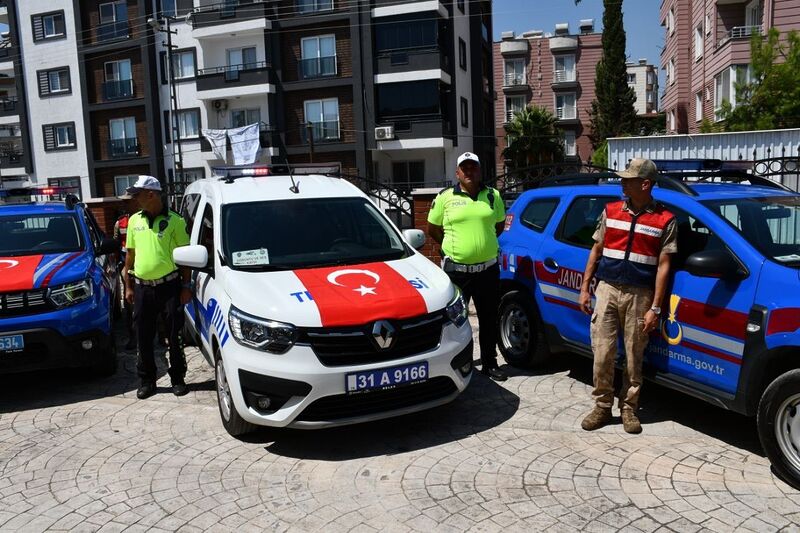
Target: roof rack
<point>229,174</point>
<point>585,178</point>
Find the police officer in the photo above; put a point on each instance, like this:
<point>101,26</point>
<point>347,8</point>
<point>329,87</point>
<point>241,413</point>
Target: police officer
<point>466,220</point>
<point>120,234</point>
<point>154,283</point>
<point>634,241</point>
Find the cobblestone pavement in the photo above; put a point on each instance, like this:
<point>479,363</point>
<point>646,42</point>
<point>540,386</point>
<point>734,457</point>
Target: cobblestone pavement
<point>83,454</point>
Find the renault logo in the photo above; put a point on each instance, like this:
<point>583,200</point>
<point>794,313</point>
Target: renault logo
<point>383,333</point>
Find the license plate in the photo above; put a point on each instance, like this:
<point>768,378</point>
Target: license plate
<point>386,378</point>
<point>11,343</point>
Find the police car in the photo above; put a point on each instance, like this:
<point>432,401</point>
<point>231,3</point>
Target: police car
<point>312,307</point>
<point>730,329</point>
<point>57,286</point>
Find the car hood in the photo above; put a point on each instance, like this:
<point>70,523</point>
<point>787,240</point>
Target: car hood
<point>342,295</point>
<point>26,272</point>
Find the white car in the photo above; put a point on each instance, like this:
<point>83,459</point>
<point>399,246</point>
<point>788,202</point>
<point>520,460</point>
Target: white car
<point>313,308</point>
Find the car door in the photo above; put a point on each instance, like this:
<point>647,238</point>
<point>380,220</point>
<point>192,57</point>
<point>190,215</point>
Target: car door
<point>189,208</point>
<point>561,261</point>
<point>704,319</point>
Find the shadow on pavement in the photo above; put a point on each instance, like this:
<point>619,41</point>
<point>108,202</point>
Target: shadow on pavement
<point>481,407</point>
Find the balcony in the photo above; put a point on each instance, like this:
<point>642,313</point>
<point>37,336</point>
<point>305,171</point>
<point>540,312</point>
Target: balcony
<point>563,44</point>
<point>567,114</point>
<point>563,79</point>
<point>317,67</point>
<point>325,131</point>
<point>509,116</point>
<point>118,148</point>
<point>232,16</point>
<point>411,60</point>
<point>515,47</point>
<point>391,8</point>
<point>118,90</point>
<point>8,106</point>
<point>427,131</point>
<point>113,31</point>
<point>234,80</point>
<point>514,82</point>
<point>10,132</point>
<point>739,32</point>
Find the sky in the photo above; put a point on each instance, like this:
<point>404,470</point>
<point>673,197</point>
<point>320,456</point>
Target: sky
<point>645,35</point>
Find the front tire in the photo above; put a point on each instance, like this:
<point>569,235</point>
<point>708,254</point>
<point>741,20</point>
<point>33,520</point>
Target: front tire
<point>779,425</point>
<point>520,336</point>
<point>234,424</point>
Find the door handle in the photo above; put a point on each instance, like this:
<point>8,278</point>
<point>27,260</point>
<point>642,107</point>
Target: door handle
<point>550,264</point>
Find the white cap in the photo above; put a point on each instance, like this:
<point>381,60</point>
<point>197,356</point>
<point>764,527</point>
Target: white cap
<point>144,183</point>
<point>468,156</point>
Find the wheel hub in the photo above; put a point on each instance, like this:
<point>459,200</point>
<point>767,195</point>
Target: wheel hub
<point>223,391</point>
<point>787,429</point>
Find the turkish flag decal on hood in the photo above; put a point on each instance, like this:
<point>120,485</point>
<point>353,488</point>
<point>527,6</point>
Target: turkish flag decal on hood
<point>16,273</point>
<point>364,293</point>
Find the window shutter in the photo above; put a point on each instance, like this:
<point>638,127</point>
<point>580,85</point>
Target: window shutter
<point>44,83</point>
<point>163,63</point>
<point>49,137</point>
<point>167,135</point>
<point>38,28</point>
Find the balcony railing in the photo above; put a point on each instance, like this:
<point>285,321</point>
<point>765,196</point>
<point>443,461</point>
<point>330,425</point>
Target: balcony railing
<point>325,131</point>
<point>740,32</point>
<point>10,157</point>
<point>566,113</point>
<point>510,114</point>
<point>564,76</point>
<point>317,67</point>
<point>513,80</point>
<point>118,89</point>
<point>231,72</point>
<point>10,131</point>
<point>112,31</point>
<point>123,147</point>
<point>228,11</point>
<point>8,105</point>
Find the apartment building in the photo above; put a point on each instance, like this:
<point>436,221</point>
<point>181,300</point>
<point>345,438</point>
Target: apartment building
<point>707,49</point>
<point>100,91</point>
<point>643,79</point>
<point>552,70</point>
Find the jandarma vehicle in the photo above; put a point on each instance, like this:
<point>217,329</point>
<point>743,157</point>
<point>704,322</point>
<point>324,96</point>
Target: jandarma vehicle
<point>730,332</point>
<point>56,287</point>
<point>312,307</point>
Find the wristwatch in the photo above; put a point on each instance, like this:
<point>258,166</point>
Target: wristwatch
<point>656,310</point>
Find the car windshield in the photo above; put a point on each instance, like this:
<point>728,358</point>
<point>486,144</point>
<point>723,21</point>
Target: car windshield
<point>770,224</point>
<point>39,234</point>
<point>291,234</point>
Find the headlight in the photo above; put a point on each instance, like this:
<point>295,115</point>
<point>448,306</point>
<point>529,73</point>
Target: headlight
<point>70,293</point>
<point>457,309</point>
<point>261,334</point>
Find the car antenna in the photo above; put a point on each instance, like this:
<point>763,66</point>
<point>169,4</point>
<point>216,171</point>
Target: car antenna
<point>294,188</point>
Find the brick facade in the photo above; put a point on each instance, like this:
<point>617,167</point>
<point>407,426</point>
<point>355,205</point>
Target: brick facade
<point>101,130</point>
<point>291,53</point>
<point>295,112</point>
<point>95,74</point>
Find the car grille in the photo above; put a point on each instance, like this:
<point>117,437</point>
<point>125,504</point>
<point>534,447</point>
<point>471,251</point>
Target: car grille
<point>355,345</point>
<point>341,406</point>
<point>23,303</point>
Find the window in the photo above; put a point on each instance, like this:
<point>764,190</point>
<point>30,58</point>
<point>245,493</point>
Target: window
<point>169,8</point>
<point>408,173</point>
<point>631,78</point>
<point>118,70</point>
<point>514,72</point>
<point>59,136</point>
<point>121,183</point>
<point>671,21</point>
<point>318,56</point>
<point>189,123</point>
<point>241,58</point>
<point>514,104</point>
<point>310,6</point>
<point>651,77</point>
<point>693,237</point>
<point>206,237</point>
<point>671,71</point>
<point>183,65</point>
<point>189,210</point>
<point>122,139</point>
<point>725,86</point>
<point>55,81</point>
<point>119,79</point>
<point>408,98</point>
<point>245,117</point>
<point>460,4</point>
<point>406,34</point>
<point>48,26</point>
<point>672,120</point>
<point>650,97</point>
<point>464,112</point>
<point>324,118</point>
<point>565,106</point>
<point>565,68</point>
<point>113,21</point>
<point>569,144</point>
<point>537,213</point>
<point>708,24</point>
<point>698,42</point>
<point>462,54</point>
<point>580,220</point>
<point>698,106</point>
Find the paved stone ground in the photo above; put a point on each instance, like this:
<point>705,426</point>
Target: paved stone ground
<point>82,454</point>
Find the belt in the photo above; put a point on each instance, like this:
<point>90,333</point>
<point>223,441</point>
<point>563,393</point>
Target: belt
<point>156,282</point>
<point>450,266</point>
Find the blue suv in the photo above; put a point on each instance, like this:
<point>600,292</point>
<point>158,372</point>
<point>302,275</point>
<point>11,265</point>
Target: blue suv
<point>57,288</point>
<point>730,332</point>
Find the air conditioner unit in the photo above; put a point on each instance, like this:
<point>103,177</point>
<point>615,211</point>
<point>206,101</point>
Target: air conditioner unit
<point>220,105</point>
<point>384,133</point>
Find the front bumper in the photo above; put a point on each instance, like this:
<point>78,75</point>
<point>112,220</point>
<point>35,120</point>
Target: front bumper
<point>304,393</point>
<point>48,349</point>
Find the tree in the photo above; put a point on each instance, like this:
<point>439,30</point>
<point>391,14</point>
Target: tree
<point>612,113</point>
<point>771,98</point>
<point>533,138</point>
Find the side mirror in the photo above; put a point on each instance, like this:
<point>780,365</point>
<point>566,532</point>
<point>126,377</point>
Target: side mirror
<point>719,264</point>
<point>414,237</point>
<point>108,246</point>
<point>193,256</point>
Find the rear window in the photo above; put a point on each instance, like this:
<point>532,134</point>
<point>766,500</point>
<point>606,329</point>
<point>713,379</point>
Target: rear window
<point>538,213</point>
<point>39,234</point>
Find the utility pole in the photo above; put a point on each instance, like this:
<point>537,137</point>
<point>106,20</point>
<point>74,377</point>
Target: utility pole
<point>310,135</point>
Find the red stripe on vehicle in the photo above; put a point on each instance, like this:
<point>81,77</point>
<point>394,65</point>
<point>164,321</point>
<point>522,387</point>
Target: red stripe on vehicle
<point>565,303</point>
<point>358,294</point>
<point>786,320</point>
<point>710,351</point>
<point>542,274</point>
<point>16,273</point>
<point>712,318</point>
<point>58,267</point>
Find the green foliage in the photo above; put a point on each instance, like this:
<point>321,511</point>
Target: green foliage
<point>600,155</point>
<point>613,113</point>
<point>533,138</point>
<point>771,100</point>
<point>708,126</point>
<point>651,125</point>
